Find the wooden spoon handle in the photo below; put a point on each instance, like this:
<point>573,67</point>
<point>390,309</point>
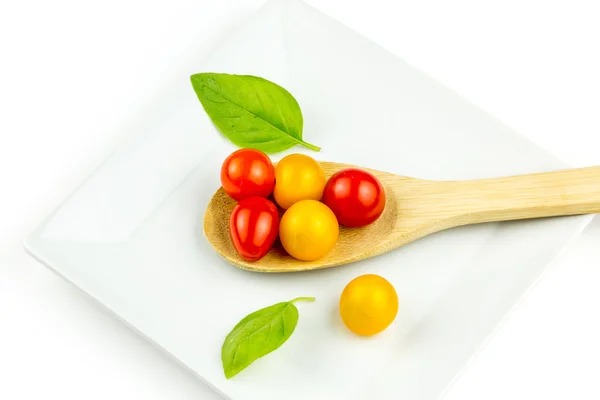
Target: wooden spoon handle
<point>548,194</point>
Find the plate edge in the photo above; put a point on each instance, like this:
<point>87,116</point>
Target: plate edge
<point>586,219</point>
<point>106,309</point>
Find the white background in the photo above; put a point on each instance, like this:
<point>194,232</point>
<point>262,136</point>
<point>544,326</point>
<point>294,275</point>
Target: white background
<point>71,70</point>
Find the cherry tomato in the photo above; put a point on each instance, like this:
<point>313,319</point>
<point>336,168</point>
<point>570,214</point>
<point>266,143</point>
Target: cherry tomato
<point>253,225</point>
<point>247,172</point>
<point>298,177</point>
<point>368,305</point>
<point>356,197</point>
<point>308,230</point>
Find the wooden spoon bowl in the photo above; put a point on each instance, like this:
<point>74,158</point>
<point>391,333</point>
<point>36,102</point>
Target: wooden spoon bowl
<point>416,208</point>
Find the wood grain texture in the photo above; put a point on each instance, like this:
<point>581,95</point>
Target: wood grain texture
<point>416,208</point>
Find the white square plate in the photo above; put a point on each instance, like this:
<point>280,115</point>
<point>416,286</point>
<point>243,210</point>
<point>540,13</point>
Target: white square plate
<point>131,235</point>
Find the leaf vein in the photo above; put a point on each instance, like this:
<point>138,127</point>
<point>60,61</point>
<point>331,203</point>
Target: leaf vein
<point>253,114</point>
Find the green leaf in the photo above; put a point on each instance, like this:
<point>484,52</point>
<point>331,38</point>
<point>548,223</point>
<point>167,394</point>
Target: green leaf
<point>251,111</point>
<point>259,334</point>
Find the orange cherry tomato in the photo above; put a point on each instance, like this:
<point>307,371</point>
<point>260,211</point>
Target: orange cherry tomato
<point>308,230</point>
<point>368,305</point>
<point>298,177</point>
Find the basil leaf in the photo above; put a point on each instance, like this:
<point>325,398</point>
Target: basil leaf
<point>251,111</point>
<point>258,334</point>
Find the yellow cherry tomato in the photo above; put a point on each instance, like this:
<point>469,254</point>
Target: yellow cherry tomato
<point>368,305</point>
<point>298,177</point>
<point>308,230</point>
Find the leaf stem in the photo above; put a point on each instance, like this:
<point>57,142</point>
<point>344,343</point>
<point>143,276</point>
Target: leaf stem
<point>302,299</point>
<point>310,146</point>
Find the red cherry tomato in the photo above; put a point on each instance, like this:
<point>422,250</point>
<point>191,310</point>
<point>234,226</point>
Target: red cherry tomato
<point>356,197</point>
<point>254,225</point>
<point>247,172</point>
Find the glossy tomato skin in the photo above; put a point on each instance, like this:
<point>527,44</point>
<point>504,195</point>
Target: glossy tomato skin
<point>356,197</point>
<point>368,305</point>
<point>298,177</point>
<point>253,226</point>
<point>246,173</point>
<point>308,230</point>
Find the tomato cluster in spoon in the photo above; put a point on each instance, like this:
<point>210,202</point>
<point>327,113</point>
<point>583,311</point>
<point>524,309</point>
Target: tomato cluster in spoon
<point>314,207</point>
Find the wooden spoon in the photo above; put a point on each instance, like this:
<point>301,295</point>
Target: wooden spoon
<point>416,208</point>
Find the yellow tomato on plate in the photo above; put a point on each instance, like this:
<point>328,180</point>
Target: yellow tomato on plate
<point>368,305</point>
<point>298,177</point>
<point>308,230</point>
